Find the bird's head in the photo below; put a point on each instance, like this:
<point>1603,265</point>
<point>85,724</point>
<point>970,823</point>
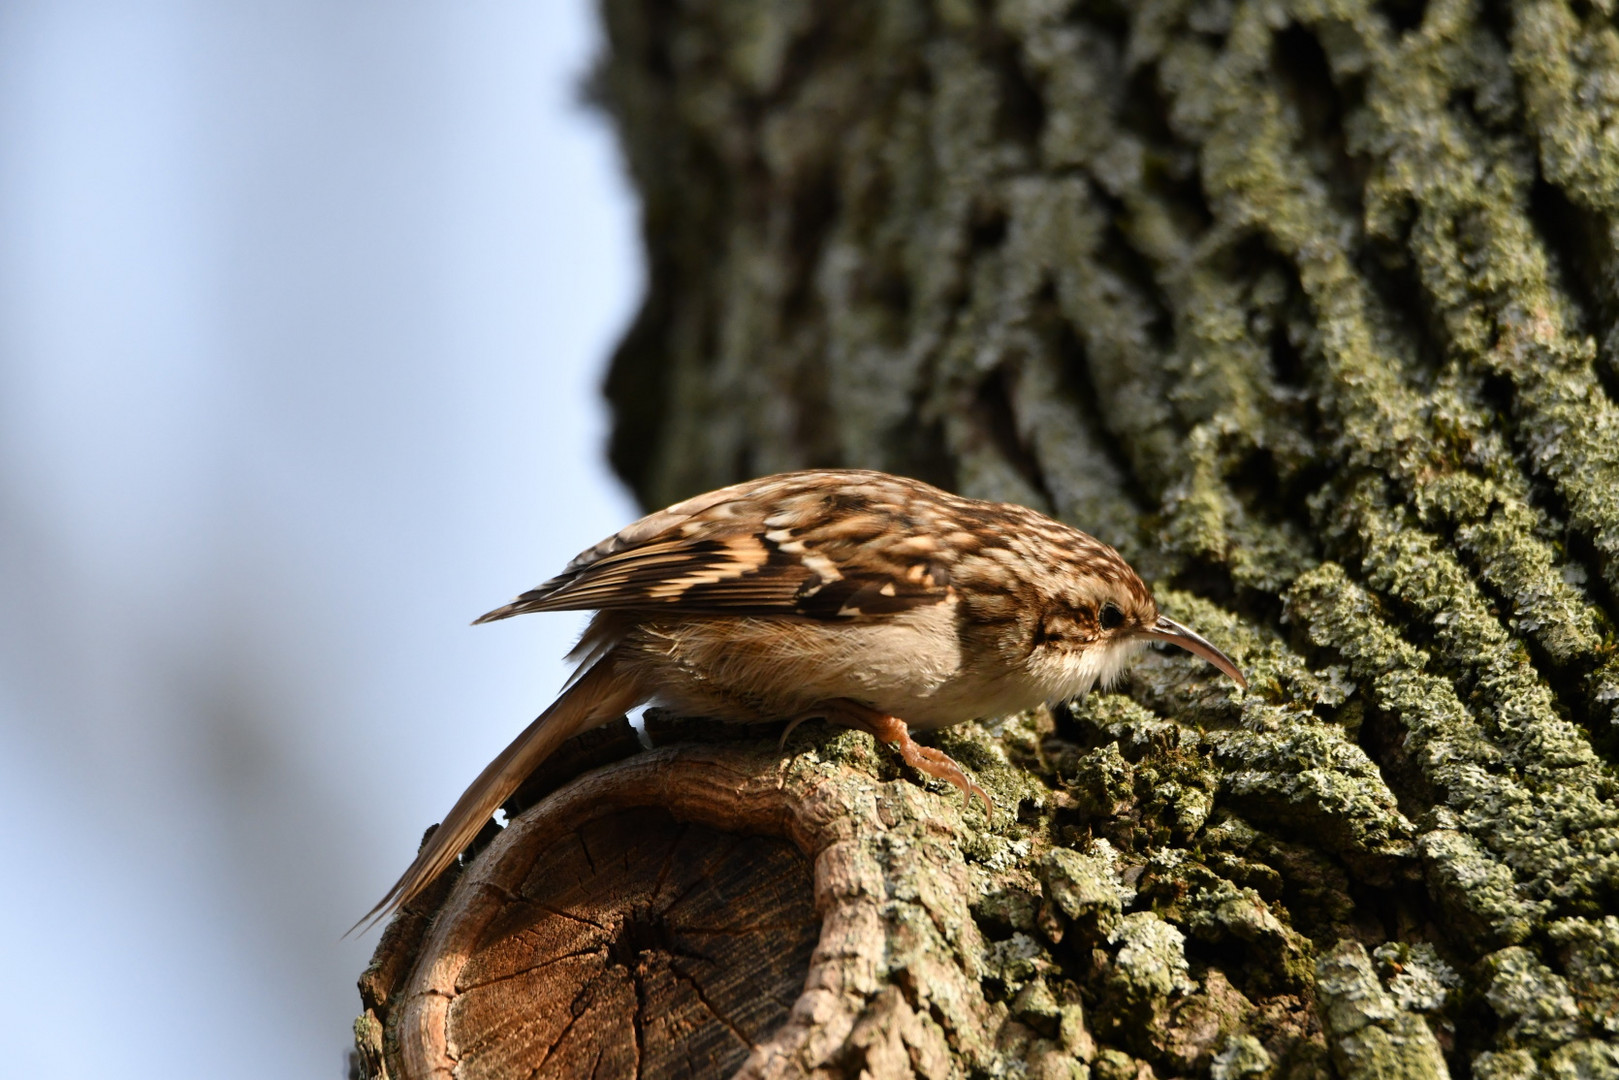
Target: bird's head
<point>1106,615</point>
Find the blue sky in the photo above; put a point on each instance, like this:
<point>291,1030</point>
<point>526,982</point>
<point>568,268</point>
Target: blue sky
<point>303,312</point>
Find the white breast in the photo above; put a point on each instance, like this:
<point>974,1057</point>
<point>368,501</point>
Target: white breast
<point>1062,675</point>
<point>909,665</point>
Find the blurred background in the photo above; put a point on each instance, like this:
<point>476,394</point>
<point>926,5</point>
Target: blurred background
<point>303,312</point>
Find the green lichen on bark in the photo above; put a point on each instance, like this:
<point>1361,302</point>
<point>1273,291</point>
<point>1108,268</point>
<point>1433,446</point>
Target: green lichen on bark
<point>1373,1037</point>
<point>1311,307</point>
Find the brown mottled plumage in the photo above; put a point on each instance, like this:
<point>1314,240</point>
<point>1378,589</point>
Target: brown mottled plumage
<point>875,601</point>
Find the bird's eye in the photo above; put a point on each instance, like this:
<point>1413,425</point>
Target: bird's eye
<point>1110,616</point>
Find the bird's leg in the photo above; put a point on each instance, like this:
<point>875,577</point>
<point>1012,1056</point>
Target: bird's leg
<point>893,730</point>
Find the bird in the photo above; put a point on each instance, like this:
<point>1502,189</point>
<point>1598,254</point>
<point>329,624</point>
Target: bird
<point>877,602</point>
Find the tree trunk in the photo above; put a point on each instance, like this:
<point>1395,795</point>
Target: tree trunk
<point>1309,307</point>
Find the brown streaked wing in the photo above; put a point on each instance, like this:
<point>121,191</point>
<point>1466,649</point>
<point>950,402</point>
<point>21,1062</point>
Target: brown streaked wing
<point>726,573</point>
<point>830,555</point>
<point>878,565</point>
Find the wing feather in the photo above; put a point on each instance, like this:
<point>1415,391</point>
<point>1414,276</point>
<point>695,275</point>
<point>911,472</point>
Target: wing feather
<point>821,545</point>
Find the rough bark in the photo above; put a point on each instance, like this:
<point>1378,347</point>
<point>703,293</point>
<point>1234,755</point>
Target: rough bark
<point>1311,307</point>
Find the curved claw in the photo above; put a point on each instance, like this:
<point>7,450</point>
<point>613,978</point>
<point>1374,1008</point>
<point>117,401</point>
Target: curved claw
<point>938,764</point>
<point>973,789</point>
<point>793,723</point>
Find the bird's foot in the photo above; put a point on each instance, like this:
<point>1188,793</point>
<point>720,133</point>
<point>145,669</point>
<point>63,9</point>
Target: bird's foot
<point>895,732</point>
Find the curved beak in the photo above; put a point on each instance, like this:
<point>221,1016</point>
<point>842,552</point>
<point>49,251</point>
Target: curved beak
<point>1167,629</point>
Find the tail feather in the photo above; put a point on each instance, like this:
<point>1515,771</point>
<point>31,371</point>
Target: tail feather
<point>533,600</point>
<point>592,700</point>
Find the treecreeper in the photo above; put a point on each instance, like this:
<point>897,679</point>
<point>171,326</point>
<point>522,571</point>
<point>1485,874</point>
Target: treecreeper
<point>873,601</point>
